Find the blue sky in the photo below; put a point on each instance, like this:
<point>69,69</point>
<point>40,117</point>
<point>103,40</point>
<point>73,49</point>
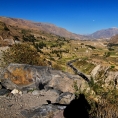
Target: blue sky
<point>77,16</point>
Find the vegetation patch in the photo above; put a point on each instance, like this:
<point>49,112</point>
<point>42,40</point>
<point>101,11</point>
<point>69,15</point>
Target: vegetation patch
<point>22,53</point>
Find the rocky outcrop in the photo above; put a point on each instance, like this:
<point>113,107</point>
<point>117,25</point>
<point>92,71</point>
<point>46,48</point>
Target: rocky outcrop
<point>76,108</point>
<point>41,81</point>
<point>111,79</point>
<point>65,98</point>
<point>23,76</point>
<point>45,111</point>
<point>106,75</point>
<point>95,71</point>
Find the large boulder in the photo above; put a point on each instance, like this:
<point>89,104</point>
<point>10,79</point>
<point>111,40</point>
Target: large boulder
<point>23,76</point>
<point>65,81</point>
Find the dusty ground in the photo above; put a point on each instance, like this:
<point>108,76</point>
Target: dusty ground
<point>12,105</point>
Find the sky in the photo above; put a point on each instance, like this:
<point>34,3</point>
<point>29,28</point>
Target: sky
<point>77,16</point>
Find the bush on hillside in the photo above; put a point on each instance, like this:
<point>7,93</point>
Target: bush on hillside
<point>22,53</point>
<point>39,45</point>
<point>29,38</point>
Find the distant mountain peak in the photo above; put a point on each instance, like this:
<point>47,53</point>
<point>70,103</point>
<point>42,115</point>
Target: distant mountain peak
<point>105,33</point>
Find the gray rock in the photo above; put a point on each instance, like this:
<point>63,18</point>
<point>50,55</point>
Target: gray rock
<point>42,111</point>
<point>4,92</point>
<point>106,75</point>
<point>24,92</point>
<point>65,98</point>
<point>36,92</point>
<point>53,91</point>
<point>0,86</point>
<point>8,84</point>
<point>24,77</point>
<point>59,114</point>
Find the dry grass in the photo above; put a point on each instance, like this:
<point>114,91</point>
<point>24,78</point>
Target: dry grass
<point>20,76</point>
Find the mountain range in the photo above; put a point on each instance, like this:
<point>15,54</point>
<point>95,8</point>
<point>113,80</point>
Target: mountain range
<point>104,33</point>
<point>50,28</point>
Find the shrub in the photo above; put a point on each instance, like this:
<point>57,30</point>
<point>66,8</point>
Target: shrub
<point>57,67</point>
<point>92,47</point>
<point>29,38</point>
<point>76,89</point>
<point>112,66</point>
<point>39,46</point>
<point>22,53</point>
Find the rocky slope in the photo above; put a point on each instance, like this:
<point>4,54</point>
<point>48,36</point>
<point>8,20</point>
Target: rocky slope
<point>105,33</point>
<point>26,88</point>
<point>28,91</point>
<point>114,39</point>
<point>108,77</point>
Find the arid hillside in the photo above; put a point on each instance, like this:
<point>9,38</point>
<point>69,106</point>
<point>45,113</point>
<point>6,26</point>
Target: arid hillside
<point>114,39</point>
<point>50,28</point>
<point>10,33</point>
<point>104,33</point>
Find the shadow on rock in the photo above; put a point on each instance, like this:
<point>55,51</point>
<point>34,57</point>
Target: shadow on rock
<point>78,108</point>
